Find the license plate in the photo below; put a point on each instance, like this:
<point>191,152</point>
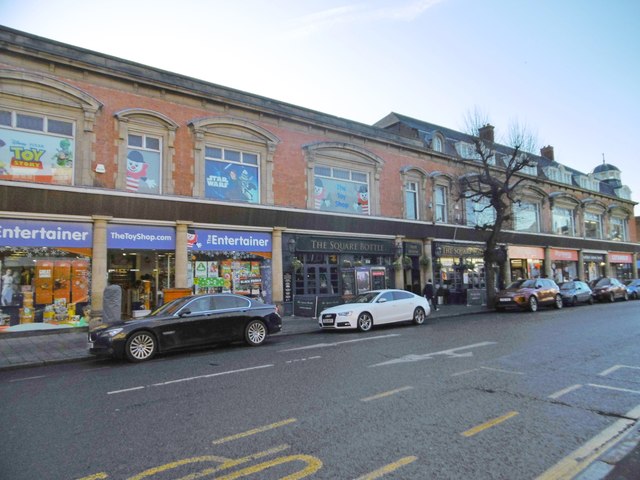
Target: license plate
<point>505,299</point>
<point>327,321</point>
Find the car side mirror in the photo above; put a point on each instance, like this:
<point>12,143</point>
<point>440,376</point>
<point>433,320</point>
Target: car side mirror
<point>185,313</point>
<point>382,300</point>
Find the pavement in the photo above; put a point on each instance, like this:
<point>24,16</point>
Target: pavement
<point>49,347</point>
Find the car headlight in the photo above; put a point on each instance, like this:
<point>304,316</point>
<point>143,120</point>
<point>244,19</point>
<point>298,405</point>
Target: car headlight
<point>345,314</point>
<point>112,332</point>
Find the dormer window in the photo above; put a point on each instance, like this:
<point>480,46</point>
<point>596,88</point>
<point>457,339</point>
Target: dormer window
<point>531,169</point>
<point>624,192</point>
<point>437,143</point>
<point>558,174</point>
<point>589,183</point>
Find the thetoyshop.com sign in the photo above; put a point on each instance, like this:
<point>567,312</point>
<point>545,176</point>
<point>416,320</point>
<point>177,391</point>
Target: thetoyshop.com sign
<point>141,237</point>
<point>28,233</point>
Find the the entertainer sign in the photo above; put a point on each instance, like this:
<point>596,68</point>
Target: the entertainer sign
<point>138,237</point>
<point>34,233</point>
<point>225,240</point>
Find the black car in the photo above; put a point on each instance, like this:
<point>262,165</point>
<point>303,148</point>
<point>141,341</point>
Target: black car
<point>607,289</point>
<point>187,322</point>
<point>575,292</point>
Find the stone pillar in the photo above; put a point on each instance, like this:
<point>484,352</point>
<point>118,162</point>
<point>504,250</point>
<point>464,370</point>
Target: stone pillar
<point>427,272</point>
<point>277,292</point>
<point>99,274</point>
<point>581,275</point>
<point>399,272</point>
<point>607,266</point>
<point>182,253</point>
<point>634,267</point>
<point>506,269</point>
<point>547,263</point>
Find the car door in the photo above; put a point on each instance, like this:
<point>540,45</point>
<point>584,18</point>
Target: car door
<point>229,317</point>
<point>192,325</point>
<point>406,303</point>
<point>384,310</point>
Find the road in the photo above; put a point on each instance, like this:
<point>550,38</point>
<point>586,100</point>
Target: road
<point>493,396</point>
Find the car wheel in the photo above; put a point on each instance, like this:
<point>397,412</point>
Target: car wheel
<point>255,333</point>
<point>533,304</point>
<point>574,301</point>
<point>626,296</point>
<point>559,303</point>
<point>365,322</point>
<point>418,316</point>
<point>612,297</point>
<point>140,346</point>
<point>590,300</point>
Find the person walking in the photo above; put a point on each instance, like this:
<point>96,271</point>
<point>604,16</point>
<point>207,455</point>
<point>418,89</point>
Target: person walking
<point>429,294</point>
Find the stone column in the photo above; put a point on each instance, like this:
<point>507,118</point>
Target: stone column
<point>607,266</point>
<point>182,257</point>
<point>581,275</point>
<point>634,266</point>
<point>99,274</point>
<point>277,292</point>
<point>506,269</point>
<point>399,272</point>
<point>547,263</point>
<point>427,272</point>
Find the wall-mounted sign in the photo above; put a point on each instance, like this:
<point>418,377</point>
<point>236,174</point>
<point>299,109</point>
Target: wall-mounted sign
<point>228,241</point>
<point>139,237</point>
<point>32,233</point>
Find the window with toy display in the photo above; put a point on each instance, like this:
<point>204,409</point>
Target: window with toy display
<point>230,261</point>
<point>46,270</point>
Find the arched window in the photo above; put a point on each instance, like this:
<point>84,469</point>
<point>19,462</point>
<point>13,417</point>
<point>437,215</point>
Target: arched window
<point>47,128</point>
<point>233,160</point>
<point>145,151</point>
<point>342,178</point>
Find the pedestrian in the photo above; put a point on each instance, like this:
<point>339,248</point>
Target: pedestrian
<point>429,293</point>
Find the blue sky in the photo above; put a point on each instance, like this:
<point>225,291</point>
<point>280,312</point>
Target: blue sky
<point>567,69</point>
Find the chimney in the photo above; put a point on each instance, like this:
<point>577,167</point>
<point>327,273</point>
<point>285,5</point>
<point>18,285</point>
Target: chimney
<point>486,133</point>
<point>547,152</point>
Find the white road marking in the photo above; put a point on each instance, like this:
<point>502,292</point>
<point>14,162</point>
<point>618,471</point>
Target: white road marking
<point>295,360</point>
<point>499,370</point>
<point>450,353</point>
<point>188,379</point>
<point>26,378</point>
<point>614,388</point>
<point>464,372</point>
<point>564,391</point>
<point>614,368</point>
<point>324,345</point>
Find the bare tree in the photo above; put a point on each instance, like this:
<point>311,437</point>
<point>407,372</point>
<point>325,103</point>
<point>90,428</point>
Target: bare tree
<point>495,185</point>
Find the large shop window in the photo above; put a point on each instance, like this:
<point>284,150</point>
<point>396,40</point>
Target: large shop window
<point>46,274</point>
<point>341,190</point>
<point>526,217</point>
<point>37,148</point>
<point>224,261</point>
<point>232,175</point>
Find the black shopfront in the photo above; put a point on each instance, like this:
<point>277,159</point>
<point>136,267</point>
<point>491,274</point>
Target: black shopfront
<point>458,268</point>
<point>321,271</point>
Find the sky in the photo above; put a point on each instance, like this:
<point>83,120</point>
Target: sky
<point>566,70</point>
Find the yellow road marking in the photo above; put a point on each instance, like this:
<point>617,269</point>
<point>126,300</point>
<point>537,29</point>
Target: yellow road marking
<point>178,463</point>
<point>313,465</point>
<point>229,463</point>
<point>491,423</point>
<point>95,476</point>
<point>385,394</point>
<point>254,431</point>
<point>392,467</point>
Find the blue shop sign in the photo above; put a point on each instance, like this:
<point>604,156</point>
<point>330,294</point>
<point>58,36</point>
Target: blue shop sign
<point>228,241</point>
<point>34,233</point>
<point>136,237</point>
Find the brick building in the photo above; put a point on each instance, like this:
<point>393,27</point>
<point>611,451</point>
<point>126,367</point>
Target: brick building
<point>113,172</point>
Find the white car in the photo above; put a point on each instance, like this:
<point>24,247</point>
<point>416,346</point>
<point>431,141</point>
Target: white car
<point>378,307</point>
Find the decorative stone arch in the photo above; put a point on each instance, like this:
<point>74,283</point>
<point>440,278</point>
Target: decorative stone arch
<point>21,90</point>
<point>237,133</point>
<point>344,155</point>
<point>534,192</point>
<point>565,199</point>
<point>146,122</point>
<point>410,174</point>
<point>620,212</point>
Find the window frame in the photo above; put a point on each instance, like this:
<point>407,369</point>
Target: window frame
<point>556,217</point>
<point>441,208</point>
<point>536,210</point>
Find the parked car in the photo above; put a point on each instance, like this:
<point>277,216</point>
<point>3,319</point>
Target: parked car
<point>187,322</point>
<point>575,292</point>
<point>607,289</point>
<point>632,287</point>
<point>529,294</point>
<point>378,307</point>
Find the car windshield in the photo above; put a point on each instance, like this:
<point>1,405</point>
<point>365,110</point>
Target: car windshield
<point>365,297</point>
<point>567,286</point>
<point>603,282</point>
<point>632,283</point>
<point>523,284</point>
<point>172,307</point>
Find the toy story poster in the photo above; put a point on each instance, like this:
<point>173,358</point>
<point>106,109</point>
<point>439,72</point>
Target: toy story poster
<point>36,158</point>
<point>231,182</point>
<point>339,196</point>
<point>143,171</point>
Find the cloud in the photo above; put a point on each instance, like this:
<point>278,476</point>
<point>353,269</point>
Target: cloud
<point>358,13</point>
